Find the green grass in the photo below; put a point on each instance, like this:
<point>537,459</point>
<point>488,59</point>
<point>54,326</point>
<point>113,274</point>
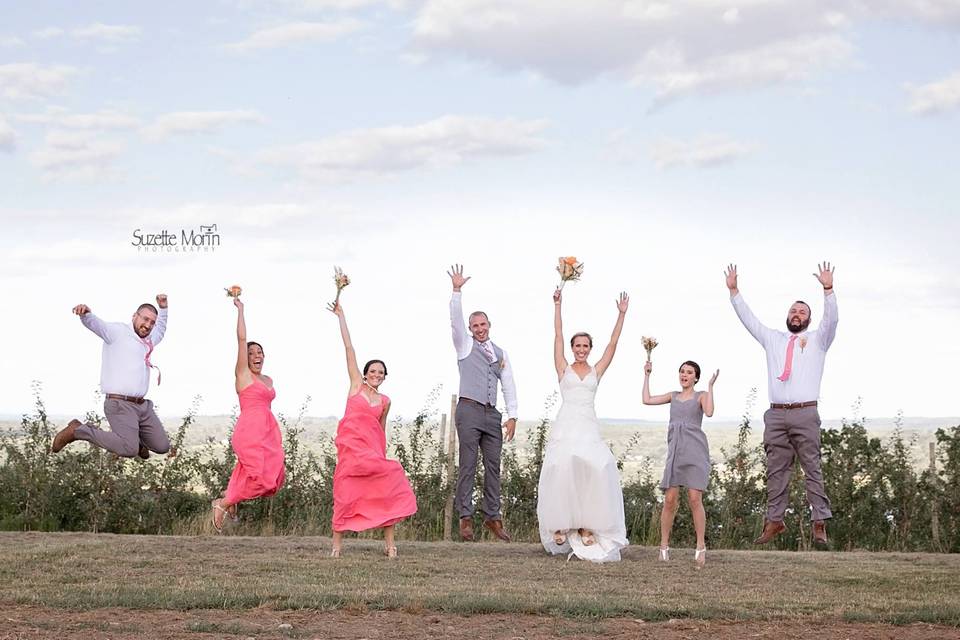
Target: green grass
<point>86,571</point>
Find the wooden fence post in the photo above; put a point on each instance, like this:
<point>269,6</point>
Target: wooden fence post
<point>451,451</point>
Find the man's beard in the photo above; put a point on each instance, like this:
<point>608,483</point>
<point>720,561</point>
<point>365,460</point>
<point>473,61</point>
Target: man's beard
<point>798,328</point>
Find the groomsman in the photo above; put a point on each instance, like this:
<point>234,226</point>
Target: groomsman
<point>482,366</point>
<point>795,360</point>
<point>135,429</point>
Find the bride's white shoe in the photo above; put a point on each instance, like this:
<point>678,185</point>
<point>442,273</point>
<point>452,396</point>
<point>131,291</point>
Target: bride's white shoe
<point>664,554</point>
<point>700,557</point>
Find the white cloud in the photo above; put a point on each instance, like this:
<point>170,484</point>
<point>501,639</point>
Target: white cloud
<point>103,120</point>
<point>705,151</point>
<point>935,97</point>
<point>197,122</point>
<point>112,33</point>
<point>28,80</point>
<point>294,33</point>
<point>47,33</point>
<point>8,137</point>
<point>445,141</point>
<point>75,155</point>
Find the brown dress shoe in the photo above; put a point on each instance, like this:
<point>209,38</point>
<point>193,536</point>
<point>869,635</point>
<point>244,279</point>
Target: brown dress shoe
<point>771,530</point>
<point>65,436</point>
<point>466,528</point>
<point>496,526</point>
<point>820,535</point>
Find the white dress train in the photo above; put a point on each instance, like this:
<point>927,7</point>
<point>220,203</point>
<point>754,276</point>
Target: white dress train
<point>579,483</point>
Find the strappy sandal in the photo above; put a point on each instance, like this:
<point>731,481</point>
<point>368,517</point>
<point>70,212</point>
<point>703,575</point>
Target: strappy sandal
<point>390,552</point>
<point>587,536</point>
<point>664,554</point>
<point>335,553</point>
<point>559,538</point>
<point>216,506</point>
<point>700,557</point>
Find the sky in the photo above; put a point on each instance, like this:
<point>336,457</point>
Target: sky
<point>655,141</point>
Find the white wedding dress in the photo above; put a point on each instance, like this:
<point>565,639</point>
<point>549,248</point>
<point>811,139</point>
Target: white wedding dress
<point>579,483</point>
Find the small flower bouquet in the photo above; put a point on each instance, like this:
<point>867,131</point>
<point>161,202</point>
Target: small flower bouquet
<point>234,291</point>
<point>341,280</point>
<point>569,269</point>
<point>649,344</point>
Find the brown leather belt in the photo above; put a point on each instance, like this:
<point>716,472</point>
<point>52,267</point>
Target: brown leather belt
<point>134,399</point>
<point>793,405</point>
<point>479,404</point>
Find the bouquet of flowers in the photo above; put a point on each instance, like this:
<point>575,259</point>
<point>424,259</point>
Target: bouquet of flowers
<point>649,344</point>
<point>569,269</point>
<point>234,291</point>
<point>341,280</point>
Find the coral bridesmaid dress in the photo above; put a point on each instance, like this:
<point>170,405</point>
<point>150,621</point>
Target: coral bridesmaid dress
<point>369,490</point>
<point>258,445</point>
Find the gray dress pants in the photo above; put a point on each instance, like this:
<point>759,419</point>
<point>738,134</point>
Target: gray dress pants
<point>480,431</point>
<point>791,434</point>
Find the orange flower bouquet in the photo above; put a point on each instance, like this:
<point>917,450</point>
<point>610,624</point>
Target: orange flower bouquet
<point>649,344</point>
<point>341,280</point>
<point>569,269</point>
<point>234,291</point>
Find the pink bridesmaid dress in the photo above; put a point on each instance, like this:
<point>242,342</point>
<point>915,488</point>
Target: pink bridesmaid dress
<point>369,490</point>
<point>258,445</point>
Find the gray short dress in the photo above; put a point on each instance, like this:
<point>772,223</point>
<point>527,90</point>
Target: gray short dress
<point>688,454</point>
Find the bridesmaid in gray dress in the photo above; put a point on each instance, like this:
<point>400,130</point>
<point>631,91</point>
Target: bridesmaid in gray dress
<point>688,455</point>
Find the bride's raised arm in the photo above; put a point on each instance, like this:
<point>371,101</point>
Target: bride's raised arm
<point>356,379</point>
<point>559,360</point>
<point>611,349</point>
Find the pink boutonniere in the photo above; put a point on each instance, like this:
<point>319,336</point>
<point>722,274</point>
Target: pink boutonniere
<point>803,343</point>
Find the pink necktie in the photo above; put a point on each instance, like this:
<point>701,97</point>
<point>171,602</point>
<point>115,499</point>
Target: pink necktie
<point>788,367</point>
<point>488,351</point>
<point>149,343</point>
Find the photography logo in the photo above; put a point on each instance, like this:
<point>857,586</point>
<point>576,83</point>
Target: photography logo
<point>204,238</point>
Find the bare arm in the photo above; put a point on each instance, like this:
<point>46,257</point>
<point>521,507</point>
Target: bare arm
<point>706,399</point>
<point>647,398</point>
<point>383,417</point>
<point>611,349</point>
<point>559,360</point>
<point>356,379</point>
<point>242,370</point>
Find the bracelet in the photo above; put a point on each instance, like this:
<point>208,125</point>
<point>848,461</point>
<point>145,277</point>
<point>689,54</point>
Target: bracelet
<point>828,288</point>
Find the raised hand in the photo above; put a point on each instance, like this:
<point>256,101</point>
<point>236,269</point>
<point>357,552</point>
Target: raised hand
<point>731,275</point>
<point>647,368</point>
<point>623,302</point>
<point>335,308</point>
<point>81,309</point>
<point>714,377</point>
<point>826,275</point>
<point>456,276</point>
<point>162,300</point>
<point>557,296</point>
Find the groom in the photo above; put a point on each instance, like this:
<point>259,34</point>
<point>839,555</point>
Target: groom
<point>482,364</point>
<point>135,429</point>
<point>795,360</point>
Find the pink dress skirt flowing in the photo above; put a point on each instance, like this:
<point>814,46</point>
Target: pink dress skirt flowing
<point>369,489</point>
<point>258,444</point>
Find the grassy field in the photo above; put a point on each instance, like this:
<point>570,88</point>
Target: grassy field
<point>233,578</point>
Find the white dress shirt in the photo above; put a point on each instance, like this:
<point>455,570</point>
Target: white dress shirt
<point>463,343</point>
<point>124,369</point>
<point>809,352</point>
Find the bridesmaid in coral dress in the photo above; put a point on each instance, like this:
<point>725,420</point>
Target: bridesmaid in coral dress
<point>369,490</point>
<point>256,440</point>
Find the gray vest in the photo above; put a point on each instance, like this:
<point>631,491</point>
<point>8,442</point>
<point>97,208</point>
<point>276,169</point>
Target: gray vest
<point>478,378</point>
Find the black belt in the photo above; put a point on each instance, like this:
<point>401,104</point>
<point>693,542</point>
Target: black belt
<point>793,405</point>
<point>134,399</point>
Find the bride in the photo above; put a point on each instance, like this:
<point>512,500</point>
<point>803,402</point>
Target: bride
<point>580,502</point>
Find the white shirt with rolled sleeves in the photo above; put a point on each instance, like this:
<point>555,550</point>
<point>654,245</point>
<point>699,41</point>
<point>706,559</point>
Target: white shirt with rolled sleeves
<point>124,369</point>
<point>463,343</point>
<point>809,352</point>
